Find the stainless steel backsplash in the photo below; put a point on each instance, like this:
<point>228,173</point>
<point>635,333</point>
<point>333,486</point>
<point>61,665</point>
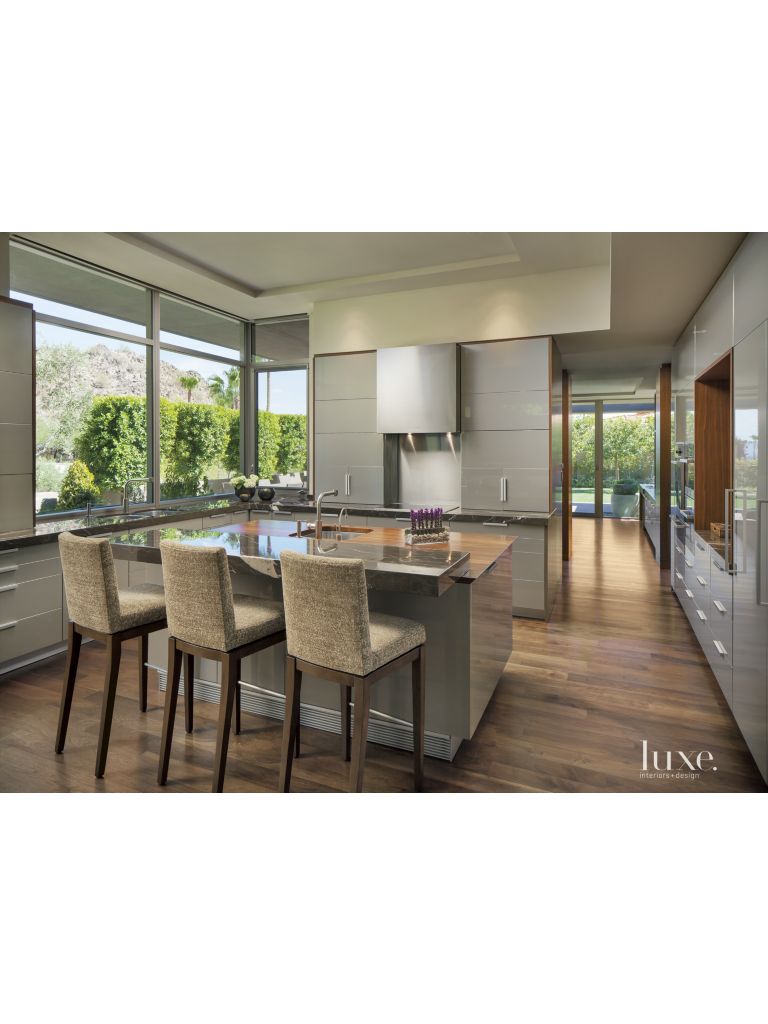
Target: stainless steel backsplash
<point>430,469</point>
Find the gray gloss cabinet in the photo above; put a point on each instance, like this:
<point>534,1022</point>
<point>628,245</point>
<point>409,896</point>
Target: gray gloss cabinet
<point>521,364</point>
<point>750,285</point>
<point>714,324</point>
<point>505,470</point>
<point>17,416</point>
<point>348,452</point>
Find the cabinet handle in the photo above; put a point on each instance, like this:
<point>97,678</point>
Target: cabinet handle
<point>678,574</point>
<point>402,519</point>
<point>348,485</point>
<point>9,625</point>
<point>9,568</point>
<point>720,607</point>
<point>702,581</point>
<point>503,525</point>
<point>700,546</point>
<point>501,488</point>
<point>689,593</point>
<point>701,615</point>
<point>720,648</point>
<point>11,586</point>
<point>278,513</point>
<point>679,549</point>
<point>9,551</point>
<point>218,515</point>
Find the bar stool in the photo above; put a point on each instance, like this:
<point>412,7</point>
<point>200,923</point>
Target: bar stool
<point>206,620</point>
<point>100,610</point>
<point>332,635</point>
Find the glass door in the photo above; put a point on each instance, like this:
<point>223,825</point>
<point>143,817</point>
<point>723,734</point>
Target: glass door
<point>584,469</point>
<point>628,455</point>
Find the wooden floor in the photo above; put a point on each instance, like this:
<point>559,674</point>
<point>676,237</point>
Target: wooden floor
<point>617,663</point>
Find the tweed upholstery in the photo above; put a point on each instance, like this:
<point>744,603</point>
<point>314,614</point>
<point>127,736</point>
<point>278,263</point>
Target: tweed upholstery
<point>94,599</point>
<point>327,618</point>
<point>201,607</point>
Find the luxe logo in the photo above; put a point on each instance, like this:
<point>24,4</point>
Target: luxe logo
<point>676,763</point>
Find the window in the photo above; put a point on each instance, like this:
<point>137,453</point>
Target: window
<point>281,431</point>
<point>58,287</point>
<point>281,341</point>
<point>91,418</point>
<point>194,327</point>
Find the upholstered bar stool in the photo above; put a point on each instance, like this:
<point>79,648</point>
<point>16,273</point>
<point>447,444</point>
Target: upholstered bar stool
<point>100,610</point>
<point>206,620</point>
<point>332,635</point>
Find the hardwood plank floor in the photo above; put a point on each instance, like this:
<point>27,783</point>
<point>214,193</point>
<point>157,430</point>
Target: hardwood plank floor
<point>617,663</point>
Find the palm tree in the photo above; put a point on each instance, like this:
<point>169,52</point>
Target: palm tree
<point>189,382</point>
<point>225,388</point>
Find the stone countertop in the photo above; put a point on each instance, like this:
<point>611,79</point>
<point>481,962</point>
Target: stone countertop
<point>390,564</point>
<point>650,490</point>
<point>47,530</point>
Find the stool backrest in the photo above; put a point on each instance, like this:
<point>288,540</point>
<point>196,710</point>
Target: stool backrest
<point>90,582</point>
<point>326,611</point>
<point>198,595</point>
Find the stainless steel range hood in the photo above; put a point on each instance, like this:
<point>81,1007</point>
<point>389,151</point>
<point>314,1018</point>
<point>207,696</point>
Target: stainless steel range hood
<point>417,389</point>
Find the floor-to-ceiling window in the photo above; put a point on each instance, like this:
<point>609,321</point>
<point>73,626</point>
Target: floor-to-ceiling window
<point>131,383</point>
<point>612,454</point>
<point>280,355</point>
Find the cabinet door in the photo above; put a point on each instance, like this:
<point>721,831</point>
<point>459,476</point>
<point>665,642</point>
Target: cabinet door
<point>750,294</point>
<point>481,487</point>
<point>365,484</point>
<point>519,365</point>
<point>714,323</point>
<point>506,410</point>
<point>525,490</point>
<point>330,476</point>
<point>750,601</point>
<point>684,358</point>
<point>345,416</point>
<point>345,376</point>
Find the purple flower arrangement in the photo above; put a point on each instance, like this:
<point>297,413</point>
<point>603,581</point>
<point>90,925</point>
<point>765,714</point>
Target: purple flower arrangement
<point>426,526</point>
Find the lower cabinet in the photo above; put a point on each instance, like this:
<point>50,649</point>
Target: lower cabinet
<point>31,602</point>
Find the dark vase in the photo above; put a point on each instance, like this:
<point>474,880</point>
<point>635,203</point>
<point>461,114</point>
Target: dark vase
<point>266,493</point>
<point>245,493</point>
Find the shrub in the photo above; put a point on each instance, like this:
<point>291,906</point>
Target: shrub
<point>202,434</point>
<point>231,459</point>
<point>113,441</point>
<point>48,475</point>
<point>292,450</point>
<point>626,487</point>
<point>269,443</point>
<point>78,487</point>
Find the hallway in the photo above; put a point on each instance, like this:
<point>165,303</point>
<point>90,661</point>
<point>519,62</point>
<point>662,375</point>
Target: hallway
<point>616,664</point>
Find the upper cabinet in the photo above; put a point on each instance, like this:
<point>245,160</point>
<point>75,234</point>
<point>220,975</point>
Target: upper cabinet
<point>350,375</point>
<point>684,358</point>
<point>750,285</point>
<point>519,365</point>
<point>714,323</point>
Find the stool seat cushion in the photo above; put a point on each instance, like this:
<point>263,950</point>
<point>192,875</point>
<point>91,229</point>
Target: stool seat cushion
<point>392,636</point>
<point>145,603</point>
<point>255,618</point>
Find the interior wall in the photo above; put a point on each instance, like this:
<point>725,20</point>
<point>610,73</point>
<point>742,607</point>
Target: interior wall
<point>5,265</point>
<point>519,307</point>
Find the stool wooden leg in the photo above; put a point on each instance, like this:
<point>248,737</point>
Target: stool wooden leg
<point>189,692</point>
<point>291,722</point>
<point>143,656</point>
<point>362,708</point>
<point>74,639</point>
<point>418,678</point>
<point>169,715</point>
<point>236,717</point>
<point>346,722</point>
<point>108,703</point>
<point>229,676</point>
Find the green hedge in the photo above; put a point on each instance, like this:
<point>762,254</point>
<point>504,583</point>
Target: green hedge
<point>193,439</point>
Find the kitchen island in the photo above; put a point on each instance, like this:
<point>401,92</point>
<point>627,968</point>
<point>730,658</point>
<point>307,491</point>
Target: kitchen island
<point>461,591</point>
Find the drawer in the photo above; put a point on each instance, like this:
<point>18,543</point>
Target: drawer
<point>26,571</point>
<point>216,519</point>
<point>721,625</point>
<point>23,600</point>
<point>701,557</point>
<point>678,581</point>
<point>721,666</point>
<point>29,635</point>
<point>240,517</point>
<point>29,553</point>
<point>529,537</point>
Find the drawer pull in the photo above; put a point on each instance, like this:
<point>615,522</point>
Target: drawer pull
<point>702,581</point>
<point>720,607</point>
<point>501,525</point>
<point>678,574</point>
<point>218,515</point>
<point>9,568</point>
<point>679,549</point>
<point>402,519</point>
<point>701,615</point>
<point>8,625</point>
<point>689,593</point>
<point>11,586</point>
<point>700,546</point>
<point>720,648</point>
<point>9,551</point>
<point>281,513</point>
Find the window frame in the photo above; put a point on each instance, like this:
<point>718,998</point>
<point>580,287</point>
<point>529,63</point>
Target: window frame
<point>269,367</point>
<point>241,359</point>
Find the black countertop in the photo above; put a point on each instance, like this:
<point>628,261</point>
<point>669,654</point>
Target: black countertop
<point>45,531</point>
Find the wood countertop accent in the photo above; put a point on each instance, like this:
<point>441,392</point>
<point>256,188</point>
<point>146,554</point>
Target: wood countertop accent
<point>483,550</point>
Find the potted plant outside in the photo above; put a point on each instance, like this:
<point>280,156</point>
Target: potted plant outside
<point>625,499</point>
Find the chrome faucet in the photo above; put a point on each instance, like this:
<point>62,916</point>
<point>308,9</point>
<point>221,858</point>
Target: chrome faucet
<point>318,505</point>
<point>134,480</point>
<point>343,517</point>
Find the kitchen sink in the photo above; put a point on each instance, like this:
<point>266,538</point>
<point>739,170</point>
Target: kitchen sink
<point>333,531</point>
